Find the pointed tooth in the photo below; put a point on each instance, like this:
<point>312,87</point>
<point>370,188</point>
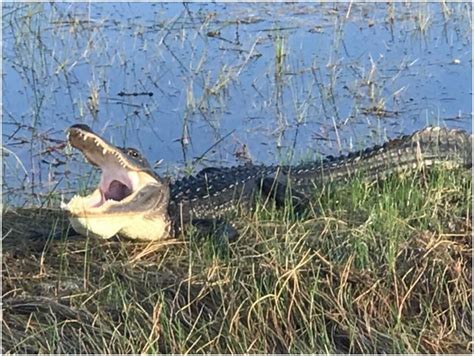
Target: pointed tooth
<point>104,151</point>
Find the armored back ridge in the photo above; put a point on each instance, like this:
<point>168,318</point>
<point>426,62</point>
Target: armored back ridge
<point>425,148</point>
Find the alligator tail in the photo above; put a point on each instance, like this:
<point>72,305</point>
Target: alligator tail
<point>449,148</point>
<point>431,146</point>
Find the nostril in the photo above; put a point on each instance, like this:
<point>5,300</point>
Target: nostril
<point>81,127</point>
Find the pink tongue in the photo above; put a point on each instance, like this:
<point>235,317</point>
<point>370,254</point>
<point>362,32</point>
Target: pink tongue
<point>117,191</point>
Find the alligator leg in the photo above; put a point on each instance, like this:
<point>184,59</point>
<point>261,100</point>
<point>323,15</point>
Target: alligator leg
<point>278,190</point>
<point>218,228</point>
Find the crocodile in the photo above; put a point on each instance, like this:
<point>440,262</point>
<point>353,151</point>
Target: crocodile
<point>133,201</point>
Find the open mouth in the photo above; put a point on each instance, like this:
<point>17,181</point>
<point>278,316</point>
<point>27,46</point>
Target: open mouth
<point>116,184</point>
<point>122,176</point>
<point>117,191</point>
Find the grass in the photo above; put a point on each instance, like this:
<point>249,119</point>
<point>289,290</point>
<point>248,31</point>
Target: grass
<point>374,267</point>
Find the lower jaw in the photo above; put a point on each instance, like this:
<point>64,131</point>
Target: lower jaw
<point>100,226</point>
<point>135,226</point>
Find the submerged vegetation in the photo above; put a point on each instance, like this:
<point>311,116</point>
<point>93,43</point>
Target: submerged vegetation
<point>374,267</point>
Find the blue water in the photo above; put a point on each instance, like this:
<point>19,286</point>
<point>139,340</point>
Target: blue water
<point>212,71</point>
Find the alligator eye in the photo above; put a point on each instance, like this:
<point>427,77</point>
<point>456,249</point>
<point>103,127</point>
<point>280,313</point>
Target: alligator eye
<point>132,152</point>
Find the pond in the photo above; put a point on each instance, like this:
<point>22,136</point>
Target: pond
<point>196,85</point>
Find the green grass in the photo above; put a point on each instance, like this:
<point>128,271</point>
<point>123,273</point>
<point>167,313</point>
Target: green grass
<point>373,267</point>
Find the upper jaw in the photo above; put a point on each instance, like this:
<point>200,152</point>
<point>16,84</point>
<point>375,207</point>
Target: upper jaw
<point>99,152</point>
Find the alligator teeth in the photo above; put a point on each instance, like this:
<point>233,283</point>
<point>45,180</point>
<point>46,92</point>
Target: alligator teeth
<point>104,151</point>
<point>84,137</point>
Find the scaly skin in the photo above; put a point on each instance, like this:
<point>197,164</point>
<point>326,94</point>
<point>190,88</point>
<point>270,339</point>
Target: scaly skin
<point>209,194</point>
<point>203,199</point>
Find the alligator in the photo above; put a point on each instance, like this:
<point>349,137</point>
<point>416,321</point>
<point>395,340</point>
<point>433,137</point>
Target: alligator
<point>133,201</point>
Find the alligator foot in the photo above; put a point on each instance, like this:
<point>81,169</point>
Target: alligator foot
<point>220,229</point>
<point>280,192</point>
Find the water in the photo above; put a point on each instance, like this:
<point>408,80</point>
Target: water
<point>191,84</point>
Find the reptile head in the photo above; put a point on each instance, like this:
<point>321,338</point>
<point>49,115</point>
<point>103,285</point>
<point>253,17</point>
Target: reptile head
<point>130,199</point>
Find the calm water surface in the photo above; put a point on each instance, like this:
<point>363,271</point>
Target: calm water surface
<point>193,85</point>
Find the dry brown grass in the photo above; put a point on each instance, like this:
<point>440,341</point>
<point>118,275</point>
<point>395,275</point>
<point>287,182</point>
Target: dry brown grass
<point>382,268</point>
